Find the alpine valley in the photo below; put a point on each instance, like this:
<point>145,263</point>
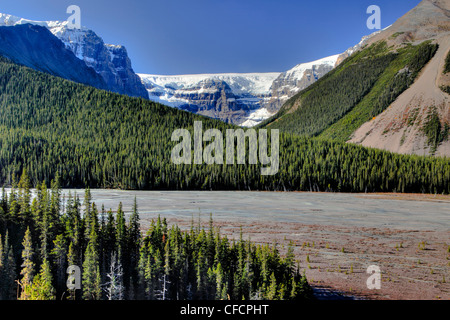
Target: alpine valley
<point>241,99</point>
<point>362,149</point>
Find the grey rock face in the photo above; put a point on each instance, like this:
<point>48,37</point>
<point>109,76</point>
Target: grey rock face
<point>228,97</point>
<point>288,84</point>
<point>215,99</point>
<point>111,62</point>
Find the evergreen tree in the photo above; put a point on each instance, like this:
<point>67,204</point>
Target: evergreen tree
<point>271,293</point>
<point>25,198</point>
<point>8,272</point>
<point>28,266</point>
<point>2,262</point>
<point>59,254</point>
<point>121,232</point>
<point>134,242</point>
<point>91,270</point>
<point>42,288</point>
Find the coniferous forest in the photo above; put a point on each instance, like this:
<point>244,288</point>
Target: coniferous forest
<point>94,138</point>
<point>42,235</point>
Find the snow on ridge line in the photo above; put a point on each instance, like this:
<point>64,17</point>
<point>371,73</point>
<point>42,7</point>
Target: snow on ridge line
<point>255,83</point>
<point>299,69</point>
<point>10,20</point>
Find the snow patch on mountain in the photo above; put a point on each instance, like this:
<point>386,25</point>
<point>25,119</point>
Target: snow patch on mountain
<point>299,70</point>
<point>253,83</point>
<point>256,117</point>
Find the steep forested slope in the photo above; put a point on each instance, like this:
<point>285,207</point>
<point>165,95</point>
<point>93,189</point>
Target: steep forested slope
<point>359,89</point>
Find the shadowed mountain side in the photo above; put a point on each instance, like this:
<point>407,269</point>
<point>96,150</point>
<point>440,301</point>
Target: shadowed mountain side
<point>36,47</point>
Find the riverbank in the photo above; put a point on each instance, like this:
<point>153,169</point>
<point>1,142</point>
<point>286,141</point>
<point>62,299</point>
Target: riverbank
<point>335,236</point>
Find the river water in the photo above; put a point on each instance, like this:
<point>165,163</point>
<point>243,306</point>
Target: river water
<point>358,210</point>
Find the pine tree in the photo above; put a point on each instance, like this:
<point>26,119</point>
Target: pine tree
<point>221,284</point>
<point>271,293</point>
<point>109,238</point>
<point>27,267</point>
<point>91,271</point>
<point>121,232</point>
<point>1,267</point>
<point>42,288</point>
<point>45,236</point>
<point>87,203</point>
<point>59,254</point>
<point>25,198</point>
<point>134,242</point>
<point>8,274</point>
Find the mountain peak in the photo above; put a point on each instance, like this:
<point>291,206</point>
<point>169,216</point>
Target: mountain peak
<point>430,19</point>
<point>110,61</point>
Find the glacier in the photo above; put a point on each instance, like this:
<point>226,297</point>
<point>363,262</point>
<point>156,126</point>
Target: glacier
<point>244,99</point>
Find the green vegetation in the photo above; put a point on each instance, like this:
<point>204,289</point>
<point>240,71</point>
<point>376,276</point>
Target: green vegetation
<point>361,88</point>
<point>445,89</point>
<point>93,138</point>
<point>395,35</point>
<point>447,64</point>
<point>395,79</point>
<point>328,100</point>
<point>40,238</point>
<point>434,131</point>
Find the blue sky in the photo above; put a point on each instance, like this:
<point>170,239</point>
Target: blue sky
<point>219,36</point>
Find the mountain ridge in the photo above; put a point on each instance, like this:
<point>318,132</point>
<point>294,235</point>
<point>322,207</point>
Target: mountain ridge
<point>51,57</point>
<point>110,61</point>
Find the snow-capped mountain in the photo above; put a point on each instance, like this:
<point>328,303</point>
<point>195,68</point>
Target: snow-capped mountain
<point>37,48</point>
<point>229,97</point>
<point>110,61</point>
<point>243,99</point>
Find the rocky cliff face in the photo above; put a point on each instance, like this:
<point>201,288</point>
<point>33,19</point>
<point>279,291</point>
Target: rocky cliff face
<point>111,62</point>
<point>228,97</point>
